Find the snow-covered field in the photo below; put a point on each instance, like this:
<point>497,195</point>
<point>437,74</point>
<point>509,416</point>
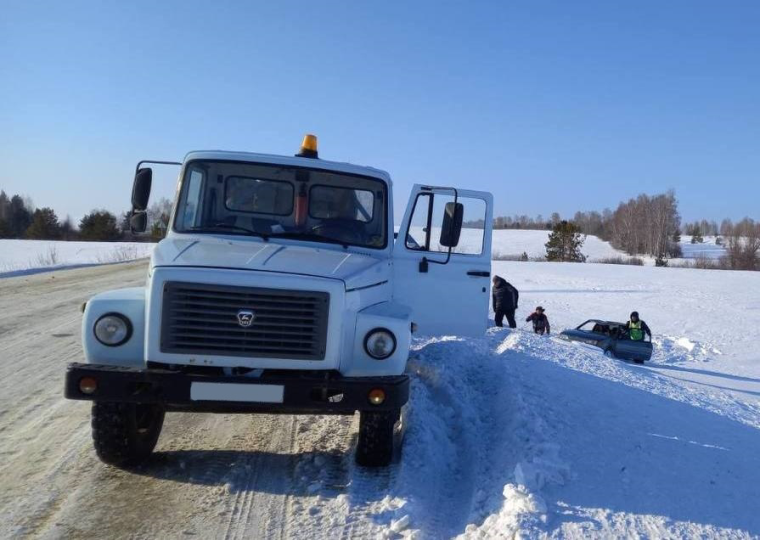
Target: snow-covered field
<point>513,243</point>
<point>516,242</point>
<point>505,435</point>
<point>28,256</point>
<point>19,257</point>
<point>707,249</point>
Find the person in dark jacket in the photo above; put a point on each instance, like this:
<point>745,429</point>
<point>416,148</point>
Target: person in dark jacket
<point>636,328</point>
<point>540,321</point>
<point>505,301</point>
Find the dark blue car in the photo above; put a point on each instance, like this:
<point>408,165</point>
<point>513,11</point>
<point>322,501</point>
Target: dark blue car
<point>611,337</point>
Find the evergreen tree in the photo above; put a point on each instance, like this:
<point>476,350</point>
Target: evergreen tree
<point>5,229</point>
<point>67,229</point>
<point>99,225</point>
<point>20,217</point>
<point>44,225</point>
<point>5,207</point>
<point>565,242</point>
<point>124,224</point>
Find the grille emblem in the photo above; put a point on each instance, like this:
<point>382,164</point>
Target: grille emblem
<point>245,318</point>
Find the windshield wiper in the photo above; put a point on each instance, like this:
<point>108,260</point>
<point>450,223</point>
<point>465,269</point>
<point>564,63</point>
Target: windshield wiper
<point>310,236</point>
<point>216,226</point>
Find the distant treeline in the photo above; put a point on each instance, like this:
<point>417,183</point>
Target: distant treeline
<point>19,218</point>
<point>651,225</point>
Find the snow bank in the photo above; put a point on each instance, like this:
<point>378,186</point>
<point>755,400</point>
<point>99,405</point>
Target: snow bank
<point>517,435</point>
<point>19,257</point>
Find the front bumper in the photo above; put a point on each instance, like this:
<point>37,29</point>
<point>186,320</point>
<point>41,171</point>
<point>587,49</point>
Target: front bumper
<point>301,393</point>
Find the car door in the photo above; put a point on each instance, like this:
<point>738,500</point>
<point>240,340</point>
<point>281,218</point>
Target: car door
<point>447,287</point>
<point>633,350</point>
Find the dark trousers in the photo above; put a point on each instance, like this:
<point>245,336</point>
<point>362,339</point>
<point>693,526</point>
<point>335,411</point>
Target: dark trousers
<point>510,314</point>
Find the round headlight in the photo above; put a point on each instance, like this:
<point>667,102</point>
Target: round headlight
<point>113,329</point>
<point>380,343</point>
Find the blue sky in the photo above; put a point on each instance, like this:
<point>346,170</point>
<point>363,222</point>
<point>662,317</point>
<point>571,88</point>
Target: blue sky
<point>552,106</point>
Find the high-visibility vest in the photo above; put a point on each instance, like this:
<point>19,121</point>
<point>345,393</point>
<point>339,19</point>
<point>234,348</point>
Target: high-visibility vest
<point>637,334</point>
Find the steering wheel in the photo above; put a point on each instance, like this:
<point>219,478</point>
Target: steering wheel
<point>342,230</point>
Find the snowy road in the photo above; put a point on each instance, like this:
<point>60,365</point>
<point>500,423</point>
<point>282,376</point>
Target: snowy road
<point>235,476</point>
<point>510,433</point>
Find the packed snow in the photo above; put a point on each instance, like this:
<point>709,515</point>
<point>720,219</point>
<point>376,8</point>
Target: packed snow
<point>19,257</point>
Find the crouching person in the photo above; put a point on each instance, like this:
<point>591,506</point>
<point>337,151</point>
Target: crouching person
<point>540,321</point>
<point>505,298</point>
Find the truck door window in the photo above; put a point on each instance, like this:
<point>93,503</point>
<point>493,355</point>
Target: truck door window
<point>427,220</point>
<point>417,236</point>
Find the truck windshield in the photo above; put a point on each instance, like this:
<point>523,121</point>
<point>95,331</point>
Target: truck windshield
<point>279,201</point>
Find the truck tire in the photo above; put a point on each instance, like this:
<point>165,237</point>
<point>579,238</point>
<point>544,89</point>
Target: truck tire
<point>376,437</point>
<point>124,434</point>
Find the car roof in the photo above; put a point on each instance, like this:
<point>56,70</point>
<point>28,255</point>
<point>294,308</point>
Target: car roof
<point>295,161</point>
<point>608,323</point>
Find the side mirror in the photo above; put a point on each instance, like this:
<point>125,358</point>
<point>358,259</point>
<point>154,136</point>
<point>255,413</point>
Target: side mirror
<point>141,189</point>
<point>452,224</point>
<point>138,222</point>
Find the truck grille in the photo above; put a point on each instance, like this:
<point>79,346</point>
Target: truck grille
<point>211,319</point>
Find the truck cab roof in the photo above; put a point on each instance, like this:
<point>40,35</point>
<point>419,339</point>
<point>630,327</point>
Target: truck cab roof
<point>292,161</point>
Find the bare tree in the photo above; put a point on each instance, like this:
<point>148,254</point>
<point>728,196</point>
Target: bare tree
<point>743,245</point>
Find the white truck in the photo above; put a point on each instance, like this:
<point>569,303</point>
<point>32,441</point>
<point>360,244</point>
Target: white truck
<point>281,288</point>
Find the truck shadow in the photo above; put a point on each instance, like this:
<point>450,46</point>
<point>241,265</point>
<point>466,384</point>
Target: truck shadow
<point>239,470</point>
<point>324,473</point>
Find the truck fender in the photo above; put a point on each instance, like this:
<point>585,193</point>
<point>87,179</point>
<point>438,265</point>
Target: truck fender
<point>127,302</point>
<point>386,315</point>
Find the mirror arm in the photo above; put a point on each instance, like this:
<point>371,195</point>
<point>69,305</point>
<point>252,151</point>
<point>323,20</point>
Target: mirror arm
<point>139,163</point>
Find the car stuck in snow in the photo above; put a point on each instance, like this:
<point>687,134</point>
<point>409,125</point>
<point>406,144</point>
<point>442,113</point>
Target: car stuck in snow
<point>612,338</point>
<point>280,288</point>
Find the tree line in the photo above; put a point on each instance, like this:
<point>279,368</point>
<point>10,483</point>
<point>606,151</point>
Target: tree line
<point>645,225</point>
<point>19,218</point>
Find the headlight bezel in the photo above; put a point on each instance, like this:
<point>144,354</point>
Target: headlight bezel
<point>374,331</point>
<point>123,318</point>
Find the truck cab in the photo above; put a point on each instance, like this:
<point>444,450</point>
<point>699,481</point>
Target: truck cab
<point>281,286</point>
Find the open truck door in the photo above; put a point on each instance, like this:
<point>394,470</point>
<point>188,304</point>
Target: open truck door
<point>442,260</point>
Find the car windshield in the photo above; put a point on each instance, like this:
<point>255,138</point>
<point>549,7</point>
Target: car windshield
<point>279,201</point>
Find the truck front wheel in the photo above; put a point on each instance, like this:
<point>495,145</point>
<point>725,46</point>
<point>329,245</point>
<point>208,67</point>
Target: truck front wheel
<point>125,434</point>
<point>376,434</point>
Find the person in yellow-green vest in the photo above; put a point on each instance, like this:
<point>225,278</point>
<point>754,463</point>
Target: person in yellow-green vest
<point>637,328</point>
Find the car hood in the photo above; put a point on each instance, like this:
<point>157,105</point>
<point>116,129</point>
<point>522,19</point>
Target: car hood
<point>354,269</point>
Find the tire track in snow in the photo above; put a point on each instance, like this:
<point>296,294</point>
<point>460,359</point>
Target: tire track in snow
<point>251,513</point>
